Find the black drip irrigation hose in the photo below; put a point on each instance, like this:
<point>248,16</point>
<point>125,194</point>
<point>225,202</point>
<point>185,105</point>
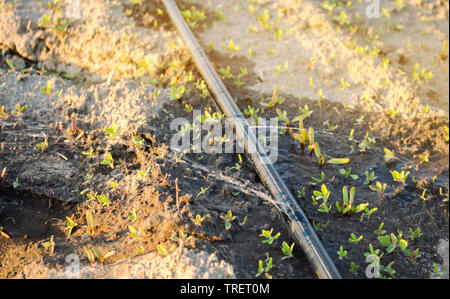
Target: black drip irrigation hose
<point>302,231</point>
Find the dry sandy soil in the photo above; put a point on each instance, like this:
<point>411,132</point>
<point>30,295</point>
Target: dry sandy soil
<point>114,66</point>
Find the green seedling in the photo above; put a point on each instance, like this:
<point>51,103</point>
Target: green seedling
<point>301,193</point>
<point>287,250</point>
<point>388,270</point>
<point>70,225</point>
<point>61,25</point>
<point>177,93</point>
<point>193,17</point>
<point>188,108</point>
<point>238,165</point>
<point>415,234</point>
<point>380,231</point>
<point>353,269</point>
<point>323,194</point>
<point>133,216</point>
<point>393,241</point>
<point>50,245</point>
<point>342,253</point>
<point>201,85</point>
<point>348,208</point>
<point>104,199</point>
<point>90,225</point>
<point>370,177</point>
<point>108,161</point>
<point>437,271</point>
<point>89,154</point>
<point>318,181</point>
<point>420,75</point>
<point>20,110</point>
<point>226,73</point>
<point>353,239</point>
<point>275,99</point>
<point>380,188</point>
<point>232,48</point>
<point>243,222</point>
<point>389,156</point>
<point>71,132</point>
<point>302,136</point>
<point>16,183</point>
<point>283,117</point>
<point>163,252</point>
<point>181,238</point>
<point>102,257</point>
<point>43,145</point>
<point>347,173</point>
<point>400,177</point>
<point>133,233</point>
<point>365,144</point>
<point>265,270</point>
<point>90,255</point>
<point>412,256</point>
<point>367,213</point>
<point>144,174</point>
<point>319,226</point>
<point>330,127</point>
<point>229,218</point>
<point>202,192</point>
<point>373,252</point>
<point>113,132</point>
<point>198,220</point>
<point>267,234</point>
<point>305,113</point>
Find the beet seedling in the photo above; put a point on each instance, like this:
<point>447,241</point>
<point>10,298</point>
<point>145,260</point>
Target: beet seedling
<point>370,177</point>
<point>198,220</point>
<point>302,136</point>
<point>412,256</point>
<point>113,132</point>
<point>380,231</point>
<point>71,132</point>
<point>70,225</point>
<point>90,255</point>
<point>177,93</point>
<point>347,173</point>
<point>265,270</point>
<point>353,239</point>
<point>348,209</point>
<point>379,188</point>
<point>287,250</point>
<point>353,268</point>
<point>275,99</point>
<point>108,161</point>
<point>393,241</point>
<point>90,225</point>
<point>318,181</point>
<point>267,234</point>
<point>50,245</point>
<point>367,212</point>
<point>102,258</point>
<point>342,253</point>
<point>415,234</point>
<point>400,177</point>
<point>228,219</point>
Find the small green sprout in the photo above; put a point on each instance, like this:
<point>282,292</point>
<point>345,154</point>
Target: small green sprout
<point>379,188</point>
<point>198,220</point>
<point>287,250</point>
<point>265,270</point>
<point>109,161</point>
<point>267,234</point>
<point>415,234</point>
<point>353,269</point>
<point>16,183</point>
<point>90,225</point>
<point>102,257</point>
<point>353,239</point>
<point>113,132</point>
<point>348,209</point>
<point>202,192</point>
<point>70,225</point>
<point>50,245</point>
<point>412,255</point>
<point>133,216</point>
<point>373,252</point>
<point>330,127</point>
<point>370,177</point>
<point>347,173</point>
<point>318,181</point>
<point>43,145</point>
<point>90,255</point>
<point>400,176</point>
<point>275,99</point>
<point>367,212</point>
<point>104,199</point>
<point>393,241</point>
<point>342,253</point>
<point>319,226</point>
<point>239,164</point>
<point>380,231</point>
<point>228,219</point>
<point>243,222</point>
<point>163,252</point>
<point>177,93</point>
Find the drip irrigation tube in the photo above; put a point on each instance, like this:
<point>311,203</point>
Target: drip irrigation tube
<point>302,231</point>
